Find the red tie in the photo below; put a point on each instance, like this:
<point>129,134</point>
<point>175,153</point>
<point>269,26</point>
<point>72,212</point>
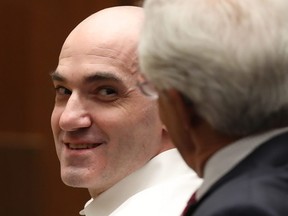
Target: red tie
<point>191,201</point>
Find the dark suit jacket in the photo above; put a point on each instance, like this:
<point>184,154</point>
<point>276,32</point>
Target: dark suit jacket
<point>257,186</point>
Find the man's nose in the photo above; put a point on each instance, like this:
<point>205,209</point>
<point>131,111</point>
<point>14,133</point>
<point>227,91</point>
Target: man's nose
<point>75,115</point>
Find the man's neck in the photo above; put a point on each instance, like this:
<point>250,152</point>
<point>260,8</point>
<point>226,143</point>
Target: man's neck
<point>207,141</point>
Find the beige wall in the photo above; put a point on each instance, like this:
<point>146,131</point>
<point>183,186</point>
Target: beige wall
<point>32,32</point>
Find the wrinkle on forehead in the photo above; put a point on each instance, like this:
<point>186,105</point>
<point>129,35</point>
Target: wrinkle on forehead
<point>111,33</point>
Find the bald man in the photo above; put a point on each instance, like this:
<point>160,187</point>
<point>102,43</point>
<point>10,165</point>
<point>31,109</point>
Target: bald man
<point>108,135</point>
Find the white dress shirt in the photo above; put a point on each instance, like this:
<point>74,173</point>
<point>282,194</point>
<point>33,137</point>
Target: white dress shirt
<point>227,158</point>
<point>162,187</point>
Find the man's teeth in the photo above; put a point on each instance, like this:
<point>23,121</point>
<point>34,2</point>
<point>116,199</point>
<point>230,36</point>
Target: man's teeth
<point>81,146</point>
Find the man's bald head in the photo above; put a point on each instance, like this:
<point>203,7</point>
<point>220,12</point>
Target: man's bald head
<point>115,27</point>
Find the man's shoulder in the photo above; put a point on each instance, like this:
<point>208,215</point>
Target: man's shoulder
<point>253,187</point>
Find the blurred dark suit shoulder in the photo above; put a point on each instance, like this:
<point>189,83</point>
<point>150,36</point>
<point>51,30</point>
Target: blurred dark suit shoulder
<point>257,186</point>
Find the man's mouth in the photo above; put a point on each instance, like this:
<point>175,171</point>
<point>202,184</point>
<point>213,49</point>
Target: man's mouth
<point>82,146</point>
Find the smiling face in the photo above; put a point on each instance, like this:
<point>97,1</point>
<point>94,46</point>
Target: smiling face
<point>104,128</point>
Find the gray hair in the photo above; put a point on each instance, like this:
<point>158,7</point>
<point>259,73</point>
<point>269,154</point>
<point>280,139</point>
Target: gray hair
<point>230,58</point>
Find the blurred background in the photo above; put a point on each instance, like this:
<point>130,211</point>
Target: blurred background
<point>32,33</point>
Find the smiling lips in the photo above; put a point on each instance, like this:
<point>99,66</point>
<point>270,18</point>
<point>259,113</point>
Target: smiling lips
<point>82,146</point>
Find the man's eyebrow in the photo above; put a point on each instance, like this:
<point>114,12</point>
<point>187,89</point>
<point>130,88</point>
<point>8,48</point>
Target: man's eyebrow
<point>57,77</point>
<point>97,76</point>
<point>100,76</point>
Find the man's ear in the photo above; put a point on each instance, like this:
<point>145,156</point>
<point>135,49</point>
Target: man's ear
<point>193,115</point>
<point>173,110</point>
<point>176,115</point>
<point>184,107</point>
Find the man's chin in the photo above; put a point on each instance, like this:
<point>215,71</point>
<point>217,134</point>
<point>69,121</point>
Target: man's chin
<point>74,180</point>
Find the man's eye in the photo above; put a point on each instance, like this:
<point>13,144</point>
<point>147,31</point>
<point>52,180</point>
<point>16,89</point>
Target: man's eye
<point>107,94</point>
<point>62,90</point>
<point>108,91</point>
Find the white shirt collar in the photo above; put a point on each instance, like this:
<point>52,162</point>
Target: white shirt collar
<point>225,159</point>
<point>153,173</point>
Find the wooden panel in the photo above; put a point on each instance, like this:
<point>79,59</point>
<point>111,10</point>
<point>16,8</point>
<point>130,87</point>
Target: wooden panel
<point>21,175</point>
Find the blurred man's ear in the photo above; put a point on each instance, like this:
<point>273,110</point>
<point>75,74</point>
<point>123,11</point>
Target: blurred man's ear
<point>177,105</point>
<point>175,114</point>
<point>192,114</point>
<point>182,105</point>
